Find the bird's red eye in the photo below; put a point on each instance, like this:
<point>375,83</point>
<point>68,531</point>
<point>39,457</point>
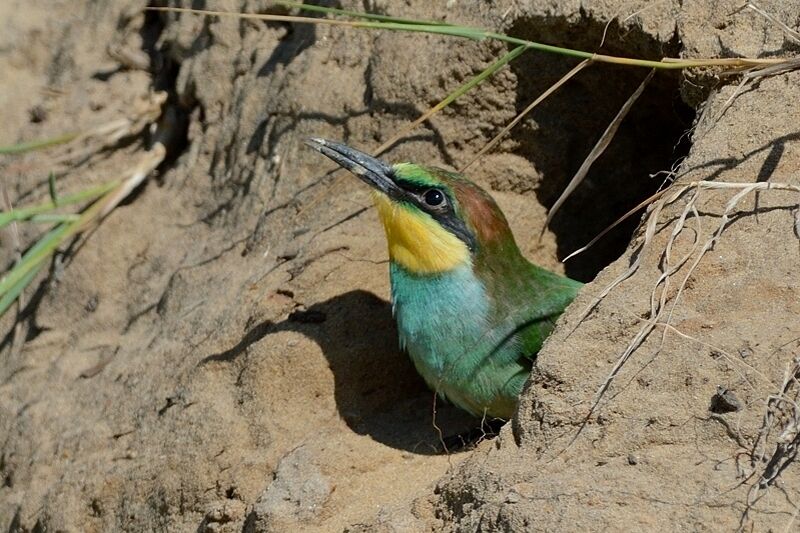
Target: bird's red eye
<point>433,197</point>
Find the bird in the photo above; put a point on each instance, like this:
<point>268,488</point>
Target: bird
<point>471,311</point>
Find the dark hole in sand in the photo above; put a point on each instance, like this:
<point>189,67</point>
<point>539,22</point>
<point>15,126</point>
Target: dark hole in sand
<point>559,134</point>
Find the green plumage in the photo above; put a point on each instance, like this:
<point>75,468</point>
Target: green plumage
<point>474,332</point>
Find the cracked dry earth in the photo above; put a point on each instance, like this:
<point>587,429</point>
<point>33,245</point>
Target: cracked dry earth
<point>219,355</point>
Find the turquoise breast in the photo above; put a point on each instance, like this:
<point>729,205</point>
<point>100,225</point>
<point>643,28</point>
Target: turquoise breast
<point>444,324</point>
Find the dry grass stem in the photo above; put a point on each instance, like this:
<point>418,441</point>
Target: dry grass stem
<point>597,151</point>
<point>553,88</point>
<point>103,199</point>
<point>792,34</point>
<point>143,113</point>
<point>778,440</point>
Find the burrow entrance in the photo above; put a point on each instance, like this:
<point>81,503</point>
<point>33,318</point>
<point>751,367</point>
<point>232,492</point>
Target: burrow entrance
<point>559,134</point>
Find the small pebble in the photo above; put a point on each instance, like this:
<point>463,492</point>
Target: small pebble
<point>724,401</point>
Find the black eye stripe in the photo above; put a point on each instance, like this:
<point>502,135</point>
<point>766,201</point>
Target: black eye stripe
<point>419,190</point>
<point>458,228</point>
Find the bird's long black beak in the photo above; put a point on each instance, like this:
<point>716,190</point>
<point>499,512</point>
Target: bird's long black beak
<point>370,170</point>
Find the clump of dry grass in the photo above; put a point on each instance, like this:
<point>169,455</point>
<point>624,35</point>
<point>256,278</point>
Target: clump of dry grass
<point>659,313</point>
<point>778,440</point>
<point>101,199</point>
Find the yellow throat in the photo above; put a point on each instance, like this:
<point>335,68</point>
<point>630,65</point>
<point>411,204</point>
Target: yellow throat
<point>416,241</point>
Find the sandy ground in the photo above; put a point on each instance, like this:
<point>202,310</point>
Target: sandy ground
<point>220,354</point>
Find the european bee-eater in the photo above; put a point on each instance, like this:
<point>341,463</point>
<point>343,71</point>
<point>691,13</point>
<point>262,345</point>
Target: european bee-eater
<point>471,311</point>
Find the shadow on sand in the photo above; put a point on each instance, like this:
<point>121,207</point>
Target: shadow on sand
<point>377,389</point>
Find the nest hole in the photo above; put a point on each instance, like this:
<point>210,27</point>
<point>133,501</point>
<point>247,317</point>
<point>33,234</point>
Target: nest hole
<point>558,135</point>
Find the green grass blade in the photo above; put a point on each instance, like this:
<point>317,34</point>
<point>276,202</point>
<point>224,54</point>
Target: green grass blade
<point>480,34</point>
<point>467,32</point>
<point>30,146</point>
<point>410,25</point>
<point>29,265</point>
<point>26,213</point>
<point>487,72</point>
<point>38,253</point>
<point>13,293</point>
<point>48,244</point>
<point>41,244</point>
<point>49,218</point>
<point>355,14</point>
<point>491,69</point>
<point>51,188</point>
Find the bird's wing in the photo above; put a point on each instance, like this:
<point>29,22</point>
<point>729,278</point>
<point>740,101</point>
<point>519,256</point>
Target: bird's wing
<point>537,308</point>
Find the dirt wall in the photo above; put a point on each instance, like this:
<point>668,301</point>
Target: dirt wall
<point>220,355</point>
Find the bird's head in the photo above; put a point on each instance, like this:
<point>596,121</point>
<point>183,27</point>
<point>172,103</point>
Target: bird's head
<point>435,220</point>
